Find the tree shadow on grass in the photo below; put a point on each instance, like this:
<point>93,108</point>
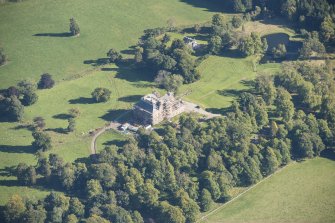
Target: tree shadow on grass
<point>248,83</point>
<point>232,92</point>
<point>328,153</point>
<point>231,53</point>
<point>145,85</point>
<point>24,126</point>
<point>65,34</point>
<point>8,171</point>
<point>97,62</point>
<point>17,149</point>
<point>62,116</point>
<point>10,183</point>
<point>128,51</point>
<point>116,142</point>
<point>219,111</point>
<point>211,6</point>
<point>134,75</point>
<point>111,115</point>
<point>204,31</point>
<point>201,37</point>
<point>57,130</point>
<point>126,69</point>
<point>5,118</point>
<point>131,98</point>
<point>86,160</point>
<point>82,100</point>
<point>110,69</point>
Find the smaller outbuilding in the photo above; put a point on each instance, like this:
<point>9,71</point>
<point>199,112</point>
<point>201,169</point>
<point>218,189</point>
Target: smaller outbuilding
<point>191,42</point>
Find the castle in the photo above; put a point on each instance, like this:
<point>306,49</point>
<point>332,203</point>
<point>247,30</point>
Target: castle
<point>152,109</point>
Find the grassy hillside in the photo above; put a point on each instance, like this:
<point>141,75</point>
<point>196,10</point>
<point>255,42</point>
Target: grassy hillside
<point>34,33</point>
<point>302,192</point>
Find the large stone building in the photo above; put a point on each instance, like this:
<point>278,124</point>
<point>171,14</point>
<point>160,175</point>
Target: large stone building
<point>152,109</point>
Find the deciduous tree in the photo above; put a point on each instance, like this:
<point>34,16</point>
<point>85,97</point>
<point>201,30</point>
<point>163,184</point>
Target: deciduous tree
<point>206,201</point>
<point>46,81</point>
<point>14,108</point>
<point>42,141</point>
<point>101,94</point>
<point>279,52</point>
<point>114,56</point>
<point>284,104</point>
<point>14,209</point>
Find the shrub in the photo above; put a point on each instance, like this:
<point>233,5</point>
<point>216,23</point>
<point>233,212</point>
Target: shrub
<point>74,112</point>
<point>42,141</point>
<point>3,57</point>
<point>279,52</point>
<point>236,22</point>
<point>39,122</point>
<point>114,56</point>
<point>197,28</point>
<point>101,94</point>
<point>72,125</point>
<point>14,110</point>
<point>46,81</point>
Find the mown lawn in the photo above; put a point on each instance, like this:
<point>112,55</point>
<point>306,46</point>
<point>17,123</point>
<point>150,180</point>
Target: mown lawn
<point>109,138</point>
<point>34,33</point>
<point>223,78</point>
<point>302,192</point>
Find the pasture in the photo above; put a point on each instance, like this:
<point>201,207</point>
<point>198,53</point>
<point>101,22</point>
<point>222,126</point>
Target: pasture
<point>302,192</point>
<point>110,138</point>
<point>34,33</point>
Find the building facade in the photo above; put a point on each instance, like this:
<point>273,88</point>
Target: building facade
<point>152,109</point>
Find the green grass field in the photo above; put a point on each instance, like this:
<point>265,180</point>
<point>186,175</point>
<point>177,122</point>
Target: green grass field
<point>32,32</point>
<point>300,193</point>
<point>110,137</point>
